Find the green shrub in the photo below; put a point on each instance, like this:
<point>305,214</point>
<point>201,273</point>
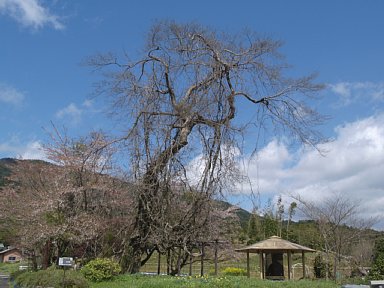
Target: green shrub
<point>377,271</point>
<point>233,271</point>
<point>52,278</point>
<point>8,268</point>
<point>101,269</point>
<point>16,273</point>
<point>320,267</point>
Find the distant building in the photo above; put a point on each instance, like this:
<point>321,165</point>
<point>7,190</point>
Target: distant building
<point>10,255</point>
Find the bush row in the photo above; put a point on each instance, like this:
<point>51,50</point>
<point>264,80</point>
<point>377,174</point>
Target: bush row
<point>96,270</point>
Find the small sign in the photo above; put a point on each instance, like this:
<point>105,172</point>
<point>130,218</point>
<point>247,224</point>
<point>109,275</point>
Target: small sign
<point>65,261</point>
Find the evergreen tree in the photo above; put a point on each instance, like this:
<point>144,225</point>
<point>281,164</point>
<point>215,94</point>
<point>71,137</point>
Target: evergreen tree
<point>254,233</point>
<point>270,226</point>
<point>377,271</point>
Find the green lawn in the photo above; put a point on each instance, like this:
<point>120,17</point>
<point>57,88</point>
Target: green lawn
<point>8,268</point>
<point>147,281</point>
<point>142,281</point>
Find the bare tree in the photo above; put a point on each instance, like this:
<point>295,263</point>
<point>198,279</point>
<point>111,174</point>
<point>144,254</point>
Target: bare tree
<point>339,224</point>
<point>177,103</point>
<point>291,213</point>
<point>362,252</point>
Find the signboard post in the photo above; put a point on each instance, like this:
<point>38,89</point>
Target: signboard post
<point>65,262</point>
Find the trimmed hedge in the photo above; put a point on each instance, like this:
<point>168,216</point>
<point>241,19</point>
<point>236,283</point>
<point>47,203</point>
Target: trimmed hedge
<point>52,277</point>
<point>100,269</point>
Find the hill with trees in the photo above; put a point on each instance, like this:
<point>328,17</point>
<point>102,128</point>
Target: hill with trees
<point>39,213</point>
<point>44,212</point>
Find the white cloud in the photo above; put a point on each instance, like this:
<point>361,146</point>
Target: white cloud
<point>6,148</point>
<point>74,113</point>
<point>354,165</point>
<point>351,92</point>
<point>30,13</point>
<point>195,167</point>
<point>31,150</point>
<point>265,170</point>
<point>88,104</point>
<point>10,95</point>
<point>359,147</point>
<point>341,89</point>
<point>71,112</point>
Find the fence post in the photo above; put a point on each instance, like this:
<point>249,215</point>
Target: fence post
<point>216,244</point>
<point>158,263</point>
<point>190,263</point>
<point>202,260</point>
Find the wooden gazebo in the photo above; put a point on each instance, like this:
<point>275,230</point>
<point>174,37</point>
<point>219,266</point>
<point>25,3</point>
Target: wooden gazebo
<point>271,253</point>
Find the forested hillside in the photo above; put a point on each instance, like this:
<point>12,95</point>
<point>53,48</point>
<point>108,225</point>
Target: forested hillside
<point>54,210</point>
<point>249,227</point>
<point>40,212</point>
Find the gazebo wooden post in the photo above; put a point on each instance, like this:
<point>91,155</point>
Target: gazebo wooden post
<point>262,267</point>
<point>248,269</point>
<point>261,264</point>
<point>289,264</point>
<point>303,261</point>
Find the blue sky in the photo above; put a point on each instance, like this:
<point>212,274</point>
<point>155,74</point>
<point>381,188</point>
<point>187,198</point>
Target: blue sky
<point>42,44</point>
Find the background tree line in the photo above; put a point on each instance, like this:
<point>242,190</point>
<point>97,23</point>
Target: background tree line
<point>103,237</point>
<point>333,228</point>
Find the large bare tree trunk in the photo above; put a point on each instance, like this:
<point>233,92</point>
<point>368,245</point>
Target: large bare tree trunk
<point>180,99</point>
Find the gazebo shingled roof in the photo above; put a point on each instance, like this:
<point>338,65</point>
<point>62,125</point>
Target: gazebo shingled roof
<point>275,244</point>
